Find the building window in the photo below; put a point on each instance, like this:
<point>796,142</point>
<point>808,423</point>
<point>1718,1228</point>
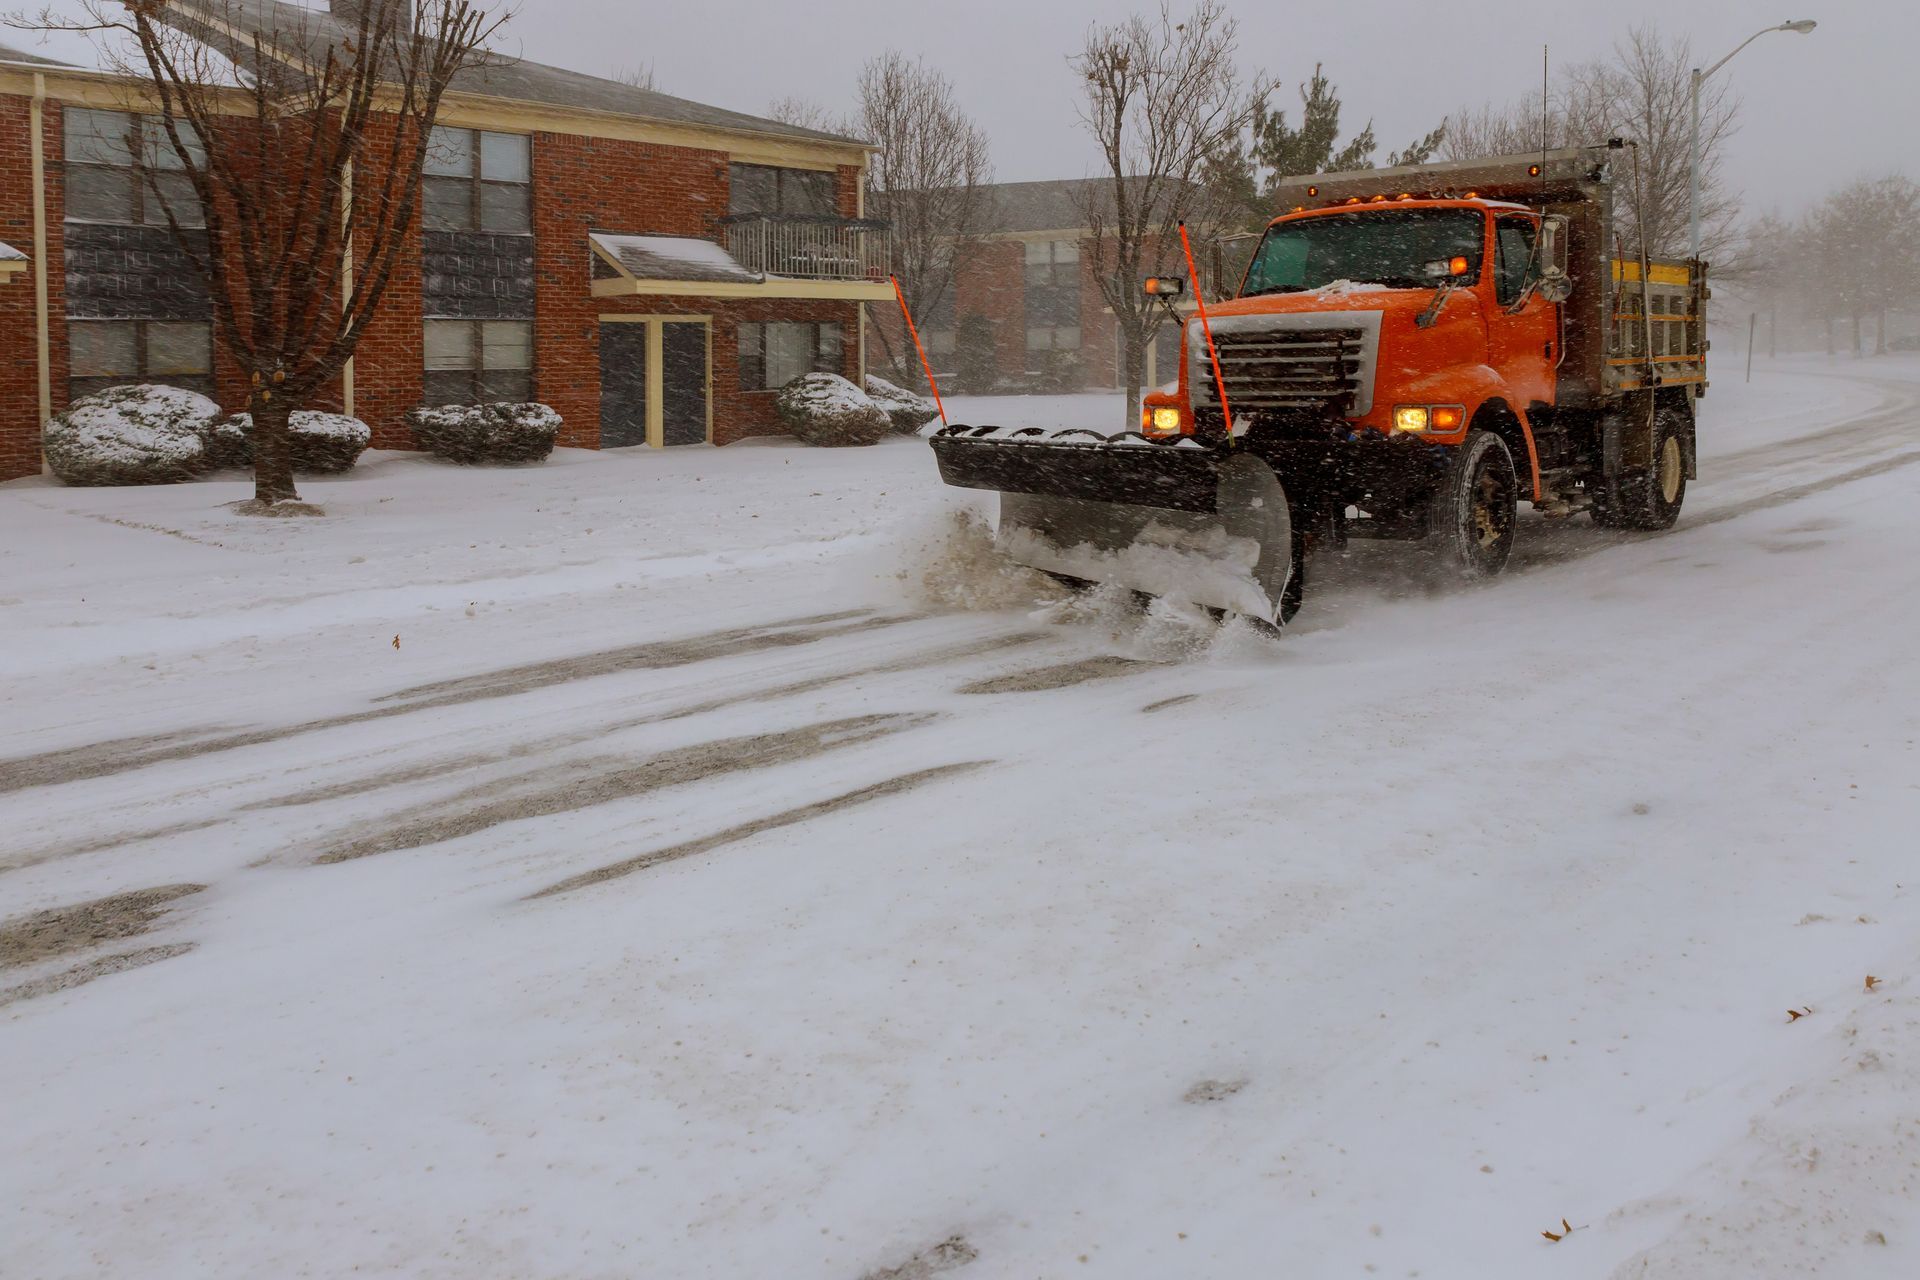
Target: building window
<point>772,355</point>
<point>764,188</point>
<point>123,168</point>
<point>479,361</point>
<point>112,353</point>
<point>1053,297</point>
<point>478,181</point>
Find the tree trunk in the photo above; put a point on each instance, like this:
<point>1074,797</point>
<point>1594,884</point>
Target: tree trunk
<point>1856,335</point>
<point>272,454</point>
<point>1880,332</point>
<point>1133,370</point>
<point>1829,328</point>
<point>1772,318</point>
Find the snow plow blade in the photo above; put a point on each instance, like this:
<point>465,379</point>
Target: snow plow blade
<point>1206,524</point>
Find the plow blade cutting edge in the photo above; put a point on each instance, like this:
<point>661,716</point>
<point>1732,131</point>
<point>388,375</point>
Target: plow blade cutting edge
<point>1209,525</point>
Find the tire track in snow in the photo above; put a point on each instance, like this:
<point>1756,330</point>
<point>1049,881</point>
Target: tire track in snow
<point>104,760</point>
<point>582,784</point>
<point>733,835</point>
<point>387,778</point>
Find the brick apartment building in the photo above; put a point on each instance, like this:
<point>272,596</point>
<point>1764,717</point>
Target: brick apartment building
<point>1033,281</point>
<point>651,267</point>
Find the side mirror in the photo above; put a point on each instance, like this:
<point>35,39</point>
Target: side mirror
<point>1165,286</point>
<point>1554,284</point>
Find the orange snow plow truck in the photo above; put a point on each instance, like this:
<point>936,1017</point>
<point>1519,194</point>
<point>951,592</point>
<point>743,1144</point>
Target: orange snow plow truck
<point>1411,354</point>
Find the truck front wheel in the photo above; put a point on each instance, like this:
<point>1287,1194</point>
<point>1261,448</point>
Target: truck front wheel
<point>1470,520</point>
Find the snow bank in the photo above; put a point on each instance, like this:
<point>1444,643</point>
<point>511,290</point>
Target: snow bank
<point>1211,569</point>
<point>908,412</point>
<point>322,442</point>
<point>826,409</point>
<point>143,434</point>
<point>501,434</point>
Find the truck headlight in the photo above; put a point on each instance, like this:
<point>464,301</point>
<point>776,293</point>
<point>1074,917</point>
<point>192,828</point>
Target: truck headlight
<point>1164,422</point>
<point>1410,417</point>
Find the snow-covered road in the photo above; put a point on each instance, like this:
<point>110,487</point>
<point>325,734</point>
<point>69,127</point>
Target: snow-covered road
<point>716,864</point>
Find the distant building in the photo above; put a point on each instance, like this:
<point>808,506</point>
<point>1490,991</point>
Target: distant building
<point>652,267</point>
<point>1031,284</point>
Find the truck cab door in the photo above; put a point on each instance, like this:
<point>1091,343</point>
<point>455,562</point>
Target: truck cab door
<point>1523,346</point>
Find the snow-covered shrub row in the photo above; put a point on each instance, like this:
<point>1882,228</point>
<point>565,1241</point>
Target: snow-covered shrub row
<point>826,409</point>
<point>141,434</point>
<point>481,433</point>
<point>905,410</point>
<point>321,442</point>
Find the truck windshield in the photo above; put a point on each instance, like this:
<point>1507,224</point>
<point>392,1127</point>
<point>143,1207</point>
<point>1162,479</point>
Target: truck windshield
<point>1376,246</point>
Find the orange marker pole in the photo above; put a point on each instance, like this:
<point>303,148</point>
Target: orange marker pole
<point>928,368</point>
<point>1219,382</point>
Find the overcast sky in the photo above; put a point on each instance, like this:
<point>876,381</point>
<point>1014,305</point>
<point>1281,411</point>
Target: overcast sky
<point>1817,110</point>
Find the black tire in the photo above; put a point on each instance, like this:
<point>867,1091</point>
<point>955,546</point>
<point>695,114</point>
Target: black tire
<point>1475,508</point>
<point>1651,500</point>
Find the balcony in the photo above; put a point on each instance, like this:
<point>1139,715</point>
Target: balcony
<point>811,247</point>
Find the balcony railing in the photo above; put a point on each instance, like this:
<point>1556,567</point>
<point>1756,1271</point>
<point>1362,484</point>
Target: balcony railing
<point>810,247</point>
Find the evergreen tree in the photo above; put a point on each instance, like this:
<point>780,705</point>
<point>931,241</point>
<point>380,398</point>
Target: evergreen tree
<point>1283,150</point>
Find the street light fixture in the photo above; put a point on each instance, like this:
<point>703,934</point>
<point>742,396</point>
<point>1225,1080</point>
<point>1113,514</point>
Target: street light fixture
<point>1801,27</point>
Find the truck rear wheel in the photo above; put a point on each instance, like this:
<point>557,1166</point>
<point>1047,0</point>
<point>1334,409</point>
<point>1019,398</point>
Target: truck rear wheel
<point>1471,519</point>
<point>1652,499</point>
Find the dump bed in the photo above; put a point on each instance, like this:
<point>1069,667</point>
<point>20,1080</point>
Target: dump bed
<point>1612,312</point>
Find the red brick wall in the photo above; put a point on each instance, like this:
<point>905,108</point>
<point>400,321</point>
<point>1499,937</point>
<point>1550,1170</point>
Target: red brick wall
<point>19,374</point>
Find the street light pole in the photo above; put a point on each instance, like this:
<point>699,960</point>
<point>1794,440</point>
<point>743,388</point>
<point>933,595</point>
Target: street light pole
<point>1800,27</point>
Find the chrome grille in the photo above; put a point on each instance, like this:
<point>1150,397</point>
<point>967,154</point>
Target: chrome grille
<point>1292,368</point>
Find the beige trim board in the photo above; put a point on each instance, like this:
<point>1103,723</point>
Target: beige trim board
<point>647,317</point>
<point>823,290</point>
<point>42,297</point>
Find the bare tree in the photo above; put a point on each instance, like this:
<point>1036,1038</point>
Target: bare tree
<point>929,177</point>
<point>804,113</point>
<point>1643,94</point>
<point>1864,241</point>
<point>640,75</point>
<point>1163,100</point>
<point>304,152</point>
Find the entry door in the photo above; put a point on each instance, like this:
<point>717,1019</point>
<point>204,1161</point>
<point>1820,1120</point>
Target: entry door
<point>623,384</point>
<point>683,376</point>
<point>1522,347</point>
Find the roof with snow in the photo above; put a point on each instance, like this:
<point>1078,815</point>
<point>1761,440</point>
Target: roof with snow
<point>10,254</point>
<point>10,54</point>
<point>672,258</point>
<point>515,79</point>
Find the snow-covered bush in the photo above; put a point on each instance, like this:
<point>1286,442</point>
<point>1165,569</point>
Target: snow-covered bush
<point>227,443</point>
<point>321,442</point>
<point>481,433</point>
<point>826,409</point>
<point>905,410</point>
<point>142,434</point>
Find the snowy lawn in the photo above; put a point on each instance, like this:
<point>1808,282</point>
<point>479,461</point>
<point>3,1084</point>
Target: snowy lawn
<point>714,863</point>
